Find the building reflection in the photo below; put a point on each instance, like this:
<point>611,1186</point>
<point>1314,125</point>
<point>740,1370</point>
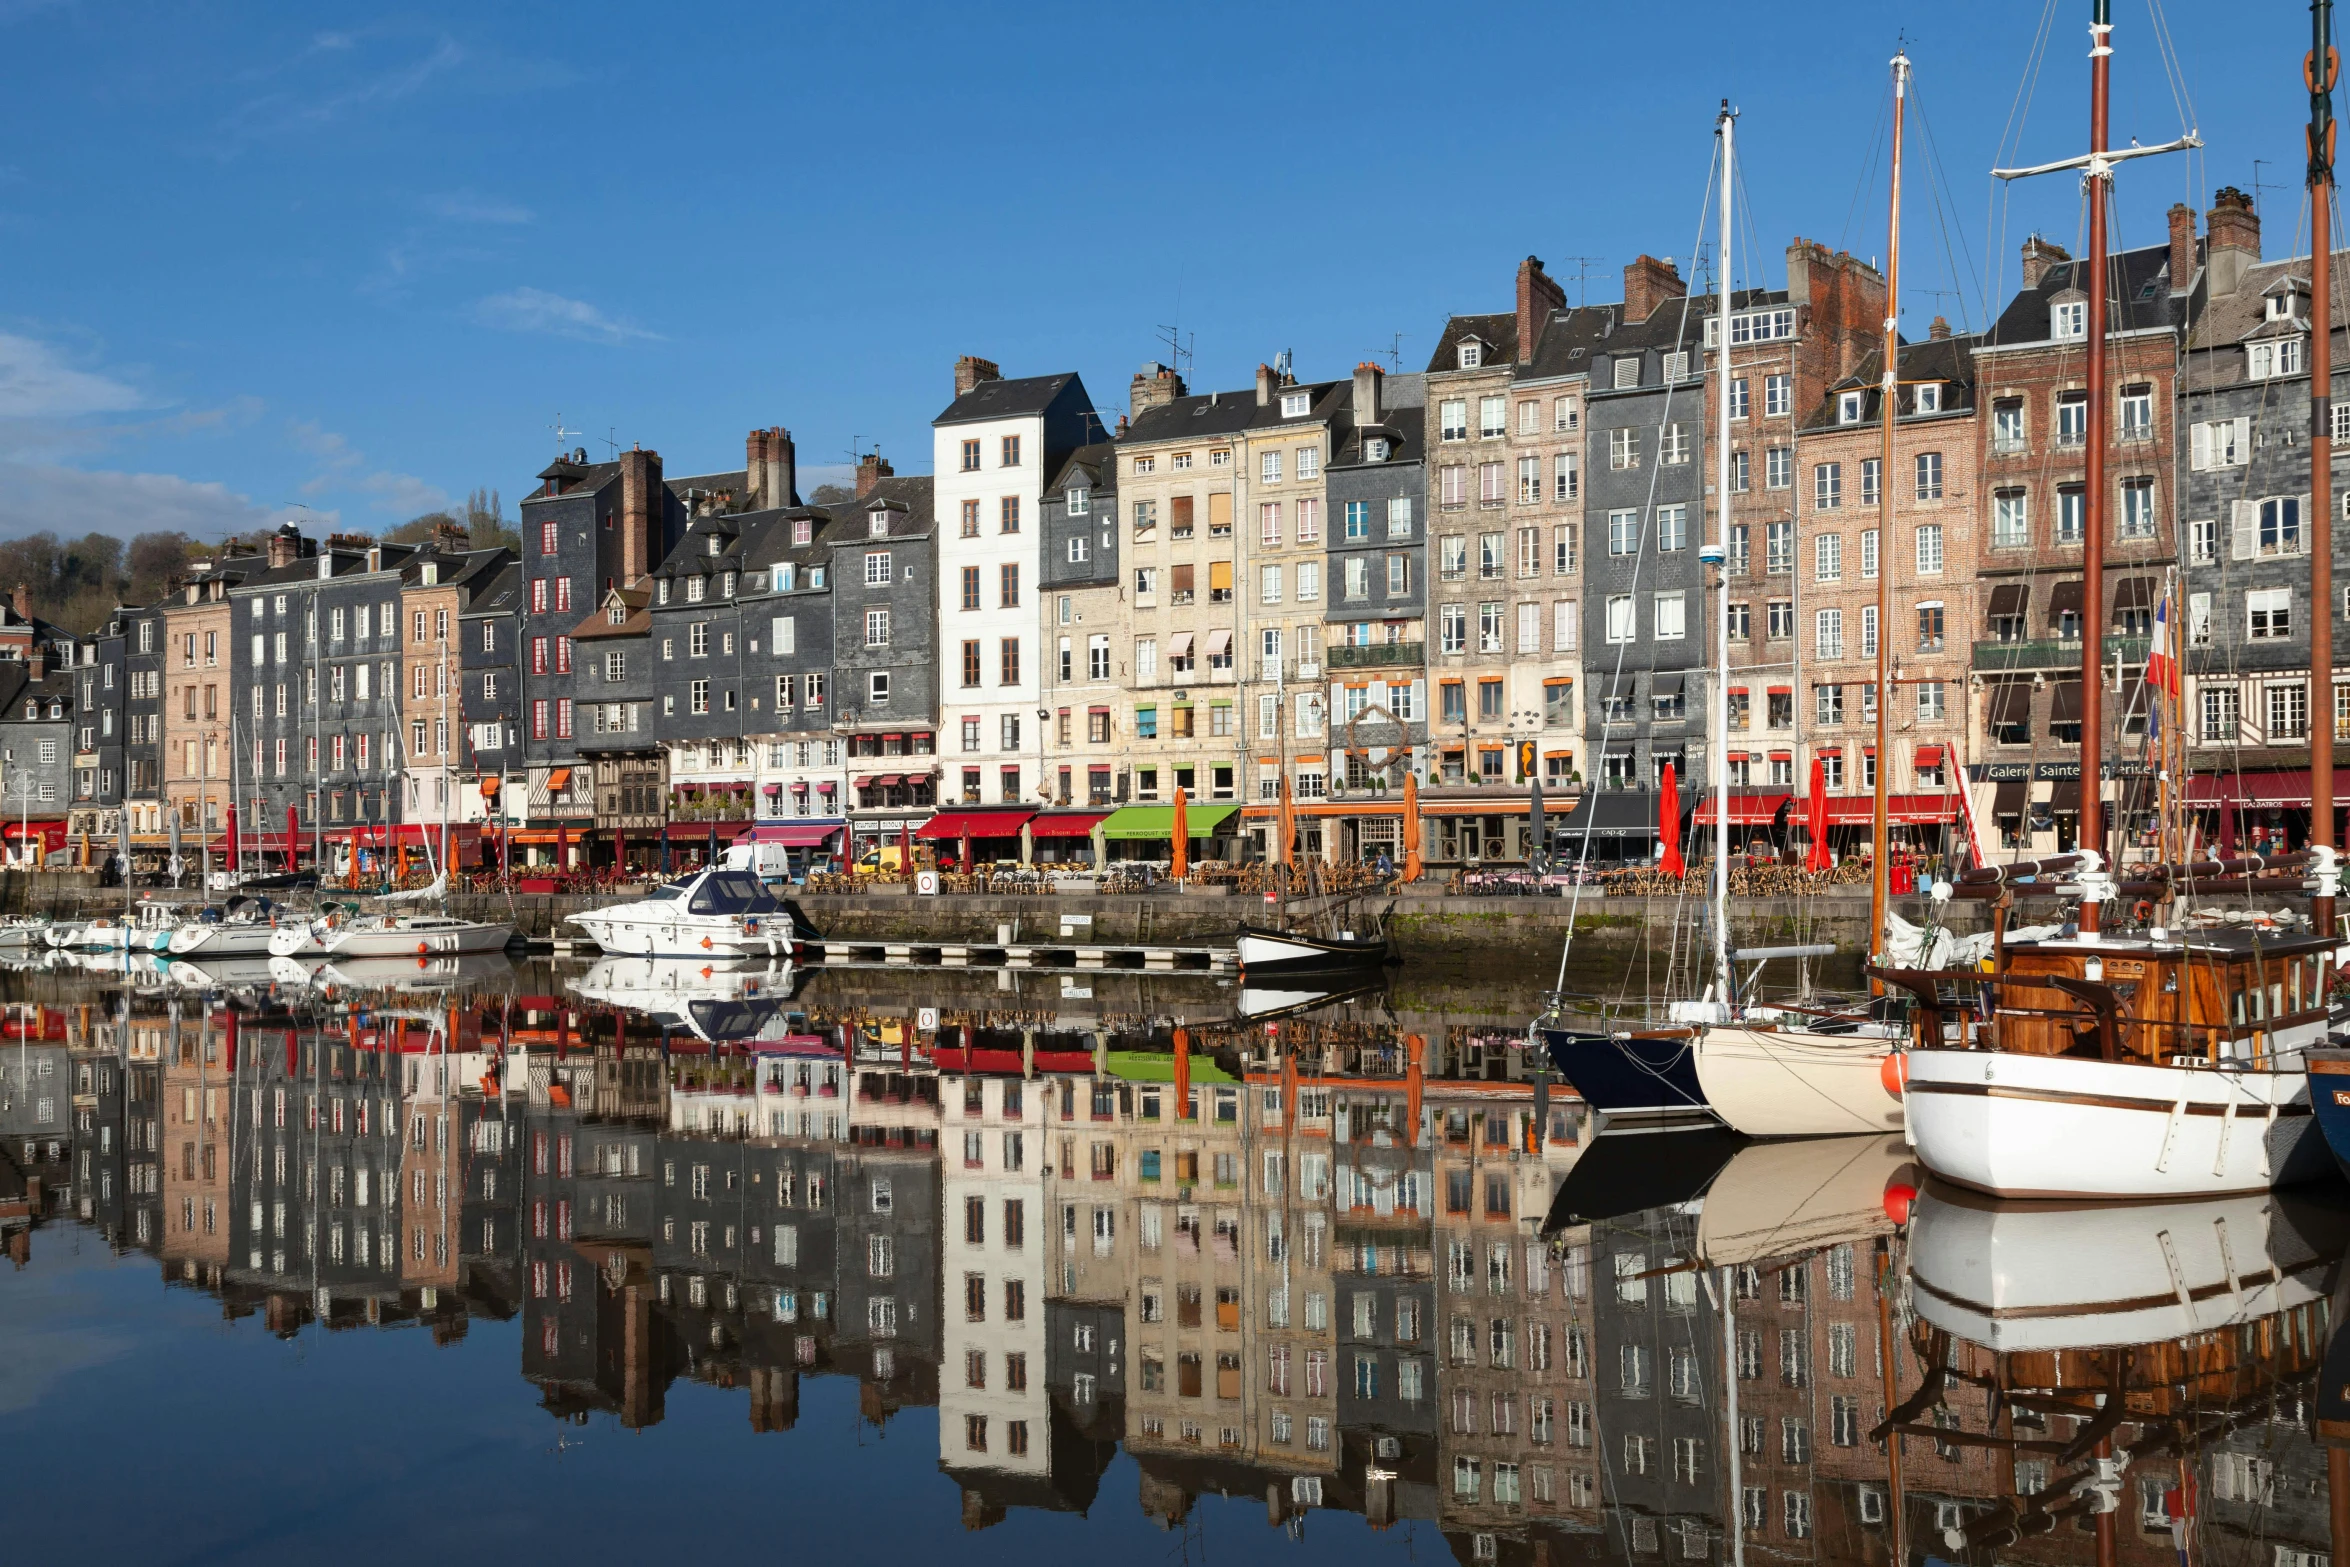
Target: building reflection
<point>1340,1261</point>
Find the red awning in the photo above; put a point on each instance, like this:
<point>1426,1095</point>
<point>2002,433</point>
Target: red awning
<point>1066,824</point>
<point>886,780</point>
<point>948,825</point>
<point>1746,810</point>
<point>1929,756</point>
<point>800,835</point>
<point>866,782</point>
<point>2289,786</point>
<point>51,834</point>
<point>1901,810</point>
<point>954,1058</point>
<point>699,832</point>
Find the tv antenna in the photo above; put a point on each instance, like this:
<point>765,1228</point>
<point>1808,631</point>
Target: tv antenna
<point>612,440</point>
<point>1179,345</point>
<point>561,434</point>
<point>1584,266</point>
<point>1395,352</point>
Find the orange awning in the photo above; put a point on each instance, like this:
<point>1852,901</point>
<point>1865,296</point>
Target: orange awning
<point>558,780</point>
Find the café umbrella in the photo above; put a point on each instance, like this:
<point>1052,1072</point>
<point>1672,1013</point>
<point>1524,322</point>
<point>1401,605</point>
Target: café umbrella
<point>1816,818</point>
<point>1181,834</point>
<point>1411,826</point>
<point>1668,822</point>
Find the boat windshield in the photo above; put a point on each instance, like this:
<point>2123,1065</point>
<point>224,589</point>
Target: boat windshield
<point>659,893</point>
<point>732,892</point>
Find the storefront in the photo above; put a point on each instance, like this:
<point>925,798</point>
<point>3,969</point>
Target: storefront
<point>976,837</point>
<point>1147,833</point>
<point>1063,837</point>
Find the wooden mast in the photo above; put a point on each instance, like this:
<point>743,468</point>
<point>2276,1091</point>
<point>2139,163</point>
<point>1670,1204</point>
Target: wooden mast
<point>2099,185</point>
<point>2319,71</point>
<point>1881,872</point>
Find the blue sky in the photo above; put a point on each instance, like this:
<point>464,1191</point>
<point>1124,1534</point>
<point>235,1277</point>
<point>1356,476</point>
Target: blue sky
<point>362,259</point>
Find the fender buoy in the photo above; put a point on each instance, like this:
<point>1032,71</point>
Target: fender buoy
<point>1900,1197</point>
<point>1893,1072</point>
<point>421,949</point>
<point>706,943</point>
<point>2142,911</point>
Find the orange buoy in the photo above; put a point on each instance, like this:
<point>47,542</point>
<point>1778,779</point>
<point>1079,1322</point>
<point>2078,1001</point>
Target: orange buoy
<point>1893,1072</point>
<point>1900,1197</point>
<point>420,949</point>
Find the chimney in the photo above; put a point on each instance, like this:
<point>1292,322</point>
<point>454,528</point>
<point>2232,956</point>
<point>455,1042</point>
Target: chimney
<point>1121,427</point>
<point>871,470</point>
<point>2231,239</point>
<point>770,465</point>
<point>2182,246</point>
<point>1153,386</point>
<point>2039,255</point>
<point>451,537</point>
<point>40,660</point>
<point>1264,386</point>
<point>1939,332</point>
<point>1369,379</point>
<point>285,546</point>
<point>1538,296</point>
<point>1648,283</point>
<point>970,370</point>
<point>22,602</point>
<point>642,524</point>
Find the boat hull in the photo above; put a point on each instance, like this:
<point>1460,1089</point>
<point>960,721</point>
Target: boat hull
<point>235,940</point>
<point>2019,1125</point>
<point>1631,1076</point>
<point>1797,1083</point>
<point>1266,953</point>
<point>624,932</point>
<point>437,942</point>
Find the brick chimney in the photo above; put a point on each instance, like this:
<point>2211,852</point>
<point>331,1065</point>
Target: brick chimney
<point>770,468</point>
<point>1538,296</point>
<point>40,661</point>
<point>285,546</point>
<point>1648,283</point>
<point>1370,380</point>
<point>2182,246</point>
<point>2039,255</point>
<point>451,537</point>
<point>1153,386</point>
<point>2232,235</point>
<point>1939,332</point>
<point>641,520</point>
<point>1264,385</point>
<point>871,470</point>
<point>970,370</point>
<point>22,602</point>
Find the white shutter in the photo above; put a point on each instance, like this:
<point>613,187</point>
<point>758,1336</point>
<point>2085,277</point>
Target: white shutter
<point>2244,529</point>
<point>2240,442</point>
<point>2199,448</point>
<point>1567,616</point>
<point>1529,628</point>
<point>785,639</point>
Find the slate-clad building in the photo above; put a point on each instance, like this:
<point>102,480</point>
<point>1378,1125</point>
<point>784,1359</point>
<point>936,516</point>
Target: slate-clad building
<point>143,718</point>
<point>1084,663</point>
<point>615,675</point>
<point>787,583</point>
<point>100,690</point>
<point>885,650</point>
<point>491,625</point>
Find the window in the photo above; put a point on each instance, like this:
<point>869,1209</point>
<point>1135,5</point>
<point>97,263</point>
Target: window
<point>1620,626</point>
<point>2221,443</point>
<point>1828,634</point>
<point>1453,632</point>
<point>1623,532</point>
<point>2137,518</point>
<point>1828,558</point>
<point>1453,414</point>
<point>1672,528</point>
<point>1623,449</point>
<point>1930,627</point>
<point>1779,467</point>
<point>2137,412</point>
<point>1269,467</point>
<point>2222,706</point>
<point>2068,320</point>
<point>1564,482</point>
<point>1008,514</point>
<point>1452,486</point>
<point>1529,481</point>
<point>1008,585</point>
<point>877,628</point>
<point>1673,445</point>
<point>1563,538</point>
<point>1671,621</point>
<point>1929,550</point>
<point>2268,614</point>
<point>1625,371</point>
<point>2281,357</point>
<point>1850,406</point>
<point>1827,486</point>
<point>2272,527</point>
<point>2010,519</point>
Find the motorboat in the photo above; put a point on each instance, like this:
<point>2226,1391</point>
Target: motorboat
<point>240,928</point>
<point>24,931</point>
<point>665,984</point>
<point>713,912</point>
<point>464,971</point>
<point>1268,953</point>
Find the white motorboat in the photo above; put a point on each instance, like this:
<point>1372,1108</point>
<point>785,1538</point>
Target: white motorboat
<point>665,984</point>
<point>24,931</point>
<point>711,913</point>
<point>61,934</point>
<point>464,971</point>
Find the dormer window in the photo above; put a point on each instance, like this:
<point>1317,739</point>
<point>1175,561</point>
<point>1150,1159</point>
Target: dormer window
<point>1080,501</point>
<point>616,613</point>
<point>694,588</point>
<point>726,584</point>
<point>877,524</point>
<point>717,544</point>
<point>1929,398</point>
<point>56,709</point>
<point>2282,304</point>
<point>32,710</point>
<point>662,591</point>
<point>784,575</point>
<point>1472,353</point>
<point>1375,449</point>
<point>427,575</point>
<point>2281,356</point>
<point>802,531</point>
<point>1848,407</point>
<point>2068,320</point>
<point>1294,404</point>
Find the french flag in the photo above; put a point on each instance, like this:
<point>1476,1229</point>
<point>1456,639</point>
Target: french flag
<point>2162,664</point>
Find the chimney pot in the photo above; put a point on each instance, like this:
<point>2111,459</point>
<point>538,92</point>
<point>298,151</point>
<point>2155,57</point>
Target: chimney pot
<point>1939,331</point>
<point>1264,385</point>
<point>971,370</point>
<point>871,470</point>
<point>2231,239</point>
<point>1154,386</point>
<point>1648,283</point>
<point>2182,246</point>
<point>2040,254</point>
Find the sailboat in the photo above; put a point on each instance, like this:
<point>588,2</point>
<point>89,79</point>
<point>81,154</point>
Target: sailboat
<point>2143,1062</point>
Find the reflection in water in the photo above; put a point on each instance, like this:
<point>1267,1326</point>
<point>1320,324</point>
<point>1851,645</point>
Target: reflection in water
<point>1338,1255</point>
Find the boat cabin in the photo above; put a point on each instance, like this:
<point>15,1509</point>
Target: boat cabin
<point>2233,996</point>
<point>718,892</point>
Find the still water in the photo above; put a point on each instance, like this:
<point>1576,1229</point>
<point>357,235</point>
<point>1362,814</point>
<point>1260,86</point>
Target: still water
<point>491,1263</point>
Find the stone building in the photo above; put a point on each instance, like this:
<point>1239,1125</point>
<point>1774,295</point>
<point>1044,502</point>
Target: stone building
<point>438,586</point>
<point>200,689</point>
<point>1083,609</point>
<point>144,659</point>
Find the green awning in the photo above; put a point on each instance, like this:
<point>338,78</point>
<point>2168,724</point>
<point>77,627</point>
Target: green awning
<point>1154,1066</point>
<point>1149,822</point>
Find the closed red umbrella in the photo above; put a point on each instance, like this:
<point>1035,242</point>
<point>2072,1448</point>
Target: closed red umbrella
<point>1668,822</point>
<point>293,832</point>
<point>906,847</point>
<point>232,836</point>
<point>1816,818</point>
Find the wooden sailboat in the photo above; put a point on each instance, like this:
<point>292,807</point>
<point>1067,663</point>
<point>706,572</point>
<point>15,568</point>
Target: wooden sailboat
<point>2133,1062</point>
<point>1286,950</point>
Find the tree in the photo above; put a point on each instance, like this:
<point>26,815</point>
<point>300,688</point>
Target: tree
<point>831,495</point>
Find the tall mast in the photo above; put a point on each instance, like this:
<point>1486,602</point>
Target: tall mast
<point>1889,399</point>
<point>1719,718</point>
<point>2319,71</point>
<point>2099,184</point>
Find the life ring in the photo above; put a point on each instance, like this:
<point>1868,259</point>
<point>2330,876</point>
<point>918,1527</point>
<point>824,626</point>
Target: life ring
<point>2142,910</point>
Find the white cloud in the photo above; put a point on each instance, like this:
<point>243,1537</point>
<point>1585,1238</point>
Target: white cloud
<point>35,383</point>
<point>70,501</point>
<point>286,110</point>
<point>465,206</point>
<point>342,466</point>
<point>536,310</point>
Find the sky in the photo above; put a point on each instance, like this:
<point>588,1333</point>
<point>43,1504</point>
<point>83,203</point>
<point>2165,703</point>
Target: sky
<point>258,258</point>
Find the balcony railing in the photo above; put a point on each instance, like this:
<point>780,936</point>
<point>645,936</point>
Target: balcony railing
<point>2056,653</point>
<point>1378,655</point>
